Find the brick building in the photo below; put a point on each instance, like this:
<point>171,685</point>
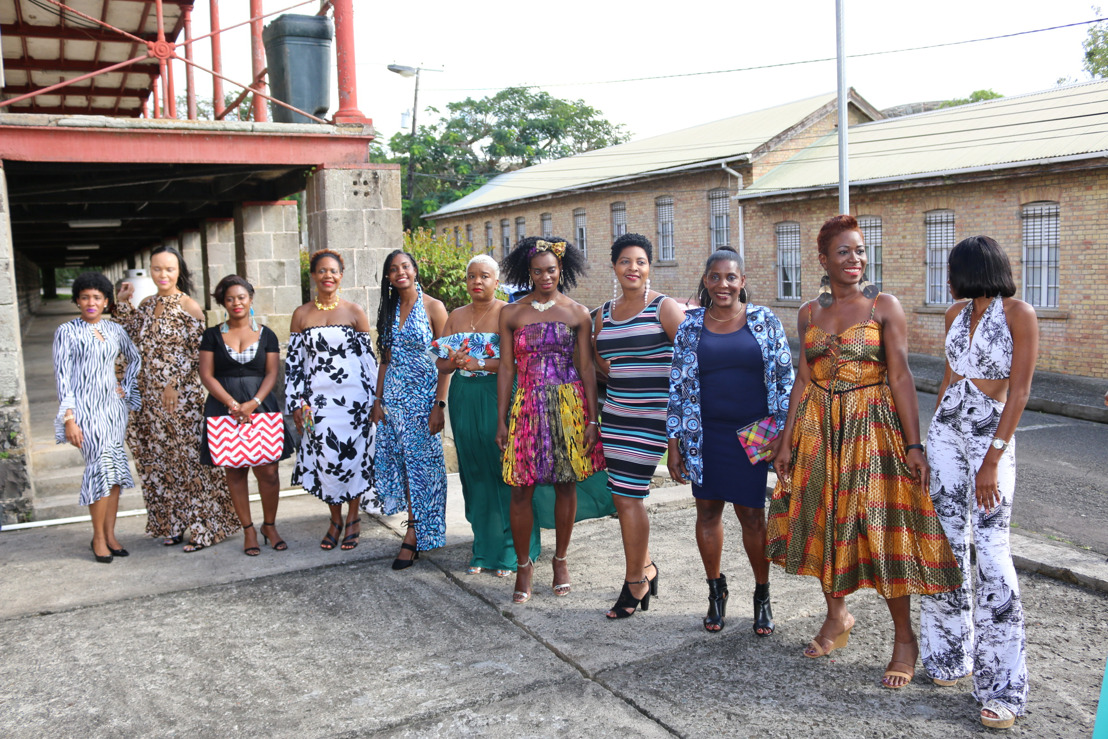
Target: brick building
<point>1028,170</point>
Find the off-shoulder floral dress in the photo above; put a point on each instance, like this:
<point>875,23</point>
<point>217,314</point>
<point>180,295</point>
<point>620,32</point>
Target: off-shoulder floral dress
<point>181,494</point>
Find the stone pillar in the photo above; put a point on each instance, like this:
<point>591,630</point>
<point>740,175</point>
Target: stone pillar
<point>217,243</point>
<point>16,487</point>
<point>267,254</point>
<point>356,212</point>
<point>192,253</point>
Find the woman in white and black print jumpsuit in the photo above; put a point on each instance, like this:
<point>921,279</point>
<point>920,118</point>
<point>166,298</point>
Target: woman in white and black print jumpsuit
<point>992,342</point>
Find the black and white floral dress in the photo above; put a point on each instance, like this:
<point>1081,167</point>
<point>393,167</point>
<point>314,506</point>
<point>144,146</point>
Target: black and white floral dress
<point>332,370</point>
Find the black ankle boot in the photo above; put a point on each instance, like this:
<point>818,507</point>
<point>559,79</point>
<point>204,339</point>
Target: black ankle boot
<point>717,603</point>
<point>763,611</point>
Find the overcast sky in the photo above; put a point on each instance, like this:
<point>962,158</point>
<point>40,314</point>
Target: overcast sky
<point>487,45</point>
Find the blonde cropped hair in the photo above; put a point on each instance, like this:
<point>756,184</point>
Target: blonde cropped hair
<point>487,261</point>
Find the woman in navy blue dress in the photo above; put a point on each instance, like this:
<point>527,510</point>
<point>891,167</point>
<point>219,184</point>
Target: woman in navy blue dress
<point>731,367</point>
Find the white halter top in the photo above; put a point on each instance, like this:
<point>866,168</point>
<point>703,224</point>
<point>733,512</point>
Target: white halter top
<point>987,355</point>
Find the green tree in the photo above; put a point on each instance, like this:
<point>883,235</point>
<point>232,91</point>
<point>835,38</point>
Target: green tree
<point>205,111</point>
<point>479,139</point>
<point>1096,48</point>
<point>975,97</point>
<point>442,265</point>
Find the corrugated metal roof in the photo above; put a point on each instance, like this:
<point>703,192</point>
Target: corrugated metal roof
<point>727,138</point>
<point>1063,122</point>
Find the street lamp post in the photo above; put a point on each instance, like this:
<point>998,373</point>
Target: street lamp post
<point>405,71</point>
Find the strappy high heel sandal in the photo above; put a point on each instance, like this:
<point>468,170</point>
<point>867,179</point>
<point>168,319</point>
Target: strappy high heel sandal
<point>816,649</point>
<point>627,600</point>
<point>250,551</point>
<point>403,564</point>
<point>561,590</point>
<point>717,604</point>
<point>654,580</point>
<point>278,544</point>
<point>763,611</point>
<point>519,597</point>
<point>330,541</point>
<point>350,541</point>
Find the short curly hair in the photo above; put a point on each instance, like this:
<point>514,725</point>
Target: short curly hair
<point>627,240</point>
<point>220,291</point>
<point>93,281</point>
<point>516,267</point>
<point>320,254</point>
<point>832,227</point>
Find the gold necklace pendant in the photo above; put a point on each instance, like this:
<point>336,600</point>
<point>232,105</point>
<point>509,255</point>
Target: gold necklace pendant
<point>473,324</point>
<point>331,306</point>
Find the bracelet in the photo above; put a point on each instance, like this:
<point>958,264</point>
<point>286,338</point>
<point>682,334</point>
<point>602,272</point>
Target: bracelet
<point>910,447</point>
<point>255,399</point>
<point>593,423</point>
<point>69,416</point>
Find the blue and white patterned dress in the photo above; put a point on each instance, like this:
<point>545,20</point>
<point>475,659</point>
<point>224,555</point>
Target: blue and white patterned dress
<point>84,368</point>
<point>408,455</point>
<point>333,370</point>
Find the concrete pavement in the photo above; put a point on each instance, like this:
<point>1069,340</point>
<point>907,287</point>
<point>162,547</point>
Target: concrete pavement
<point>314,643</point>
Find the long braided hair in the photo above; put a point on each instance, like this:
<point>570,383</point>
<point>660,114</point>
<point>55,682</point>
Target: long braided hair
<point>390,298</point>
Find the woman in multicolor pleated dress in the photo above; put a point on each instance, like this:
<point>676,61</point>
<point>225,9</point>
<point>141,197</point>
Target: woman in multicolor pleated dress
<point>634,348</point>
<point>552,435</point>
<point>851,506</point>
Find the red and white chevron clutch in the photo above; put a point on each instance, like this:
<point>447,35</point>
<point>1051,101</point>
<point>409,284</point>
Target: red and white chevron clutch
<point>246,445</point>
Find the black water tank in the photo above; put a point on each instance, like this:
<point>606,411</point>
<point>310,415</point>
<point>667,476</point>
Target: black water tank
<point>298,55</point>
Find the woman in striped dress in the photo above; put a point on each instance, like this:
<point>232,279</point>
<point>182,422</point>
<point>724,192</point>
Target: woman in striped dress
<point>634,347</point>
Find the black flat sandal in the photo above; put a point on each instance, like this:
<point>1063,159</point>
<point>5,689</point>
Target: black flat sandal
<point>763,611</point>
<point>717,604</point>
<point>627,600</point>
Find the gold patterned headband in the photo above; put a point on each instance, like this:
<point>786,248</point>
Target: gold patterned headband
<point>558,248</point>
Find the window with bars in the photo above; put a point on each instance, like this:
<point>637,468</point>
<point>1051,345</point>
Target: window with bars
<point>619,220</point>
<point>663,215</point>
<point>469,234</point>
<point>581,231</point>
<point>788,260</point>
<point>505,237</point>
<point>521,229</point>
<point>457,236</point>
<point>547,222</point>
<point>489,242</point>
<point>1040,254</point>
<point>719,218</point>
<point>871,234</point>
<point>939,232</point>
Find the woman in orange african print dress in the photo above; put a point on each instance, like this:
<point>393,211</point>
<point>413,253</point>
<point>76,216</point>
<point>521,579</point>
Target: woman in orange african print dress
<point>851,506</point>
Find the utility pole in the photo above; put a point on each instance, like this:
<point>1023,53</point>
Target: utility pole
<point>844,157</point>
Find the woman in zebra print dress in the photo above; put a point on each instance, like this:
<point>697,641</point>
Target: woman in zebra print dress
<point>93,405</point>
<point>634,348</point>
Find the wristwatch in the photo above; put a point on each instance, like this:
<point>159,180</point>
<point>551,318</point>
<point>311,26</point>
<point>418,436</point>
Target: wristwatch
<point>440,403</point>
<point>481,362</point>
<point>999,444</point>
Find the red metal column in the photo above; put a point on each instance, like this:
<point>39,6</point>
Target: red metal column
<point>344,52</point>
<point>190,80</point>
<point>257,59</point>
<point>217,59</point>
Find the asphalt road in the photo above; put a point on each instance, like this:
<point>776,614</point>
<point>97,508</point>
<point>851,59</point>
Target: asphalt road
<point>1061,477</point>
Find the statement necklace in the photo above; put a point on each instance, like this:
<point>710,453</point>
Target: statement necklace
<point>332,306</point>
<point>540,307</point>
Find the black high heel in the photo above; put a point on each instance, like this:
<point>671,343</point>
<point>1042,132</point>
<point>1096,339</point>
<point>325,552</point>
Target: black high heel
<point>763,611</point>
<point>627,600</point>
<point>331,541</point>
<point>102,560</point>
<point>278,544</point>
<point>403,564</point>
<point>350,541</point>
<point>654,580</point>
<point>717,603</point>
<point>250,551</point>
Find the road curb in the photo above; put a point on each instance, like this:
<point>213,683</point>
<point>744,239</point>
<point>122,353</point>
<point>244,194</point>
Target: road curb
<point>1039,405</point>
<point>1059,561</point>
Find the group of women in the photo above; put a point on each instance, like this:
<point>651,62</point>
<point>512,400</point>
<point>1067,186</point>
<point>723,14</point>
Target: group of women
<point>859,502</point>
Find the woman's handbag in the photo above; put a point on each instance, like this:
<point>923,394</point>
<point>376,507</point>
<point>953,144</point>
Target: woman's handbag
<point>234,444</point>
<point>755,436</point>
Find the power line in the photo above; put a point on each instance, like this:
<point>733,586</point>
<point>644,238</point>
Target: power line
<point>776,65</point>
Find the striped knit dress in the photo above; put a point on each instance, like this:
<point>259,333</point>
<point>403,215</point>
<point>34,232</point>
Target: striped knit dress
<point>633,421</point>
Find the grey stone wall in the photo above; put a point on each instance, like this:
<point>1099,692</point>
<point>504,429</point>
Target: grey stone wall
<point>217,245</point>
<point>16,489</point>
<point>267,254</point>
<point>357,213</point>
<point>28,285</point>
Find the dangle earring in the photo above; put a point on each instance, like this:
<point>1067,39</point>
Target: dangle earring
<point>223,326</point>
<point>744,297</point>
<point>825,298</point>
<point>646,292</point>
<point>615,288</point>
<point>253,323</point>
<point>869,290</point>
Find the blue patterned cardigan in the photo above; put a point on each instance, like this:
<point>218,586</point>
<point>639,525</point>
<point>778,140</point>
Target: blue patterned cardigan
<point>683,417</point>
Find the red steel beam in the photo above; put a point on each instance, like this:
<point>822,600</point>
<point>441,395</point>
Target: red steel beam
<point>74,65</point>
<point>217,59</point>
<point>90,90</point>
<point>257,58</point>
<point>190,80</point>
<point>113,110</point>
<point>69,33</point>
<point>347,70</point>
<point>126,145</point>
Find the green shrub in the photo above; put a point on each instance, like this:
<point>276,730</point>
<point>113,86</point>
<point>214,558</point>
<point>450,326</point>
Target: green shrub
<point>305,277</point>
<point>442,265</point>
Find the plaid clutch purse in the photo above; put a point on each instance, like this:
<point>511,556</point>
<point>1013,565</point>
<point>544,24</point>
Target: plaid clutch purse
<point>755,436</point>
